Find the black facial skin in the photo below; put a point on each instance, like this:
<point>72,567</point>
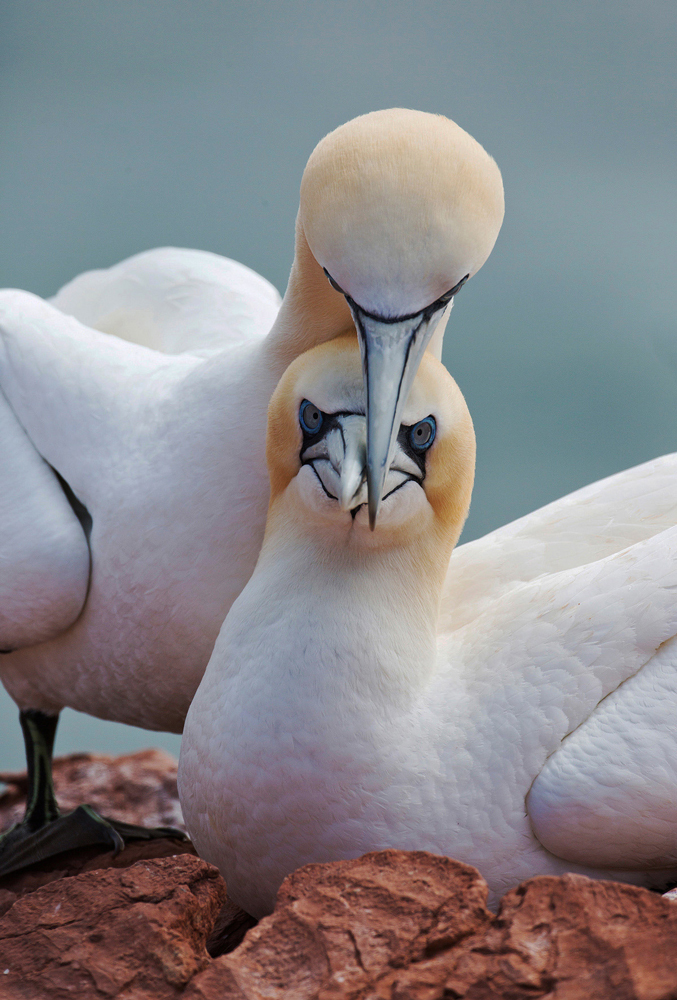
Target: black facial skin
<point>330,420</point>
<point>404,441</point>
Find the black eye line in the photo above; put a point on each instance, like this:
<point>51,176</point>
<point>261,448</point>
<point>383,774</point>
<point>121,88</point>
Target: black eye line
<point>330,495</point>
<point>329,422</point>
<point>354,511</point>
<point>424,313</point>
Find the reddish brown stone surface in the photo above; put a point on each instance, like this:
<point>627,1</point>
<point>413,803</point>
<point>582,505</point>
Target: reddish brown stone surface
<point>338,928</point>
<point>388,926</point>
<point>568,938</point>
<point>411,926</point>
<point>84,860</point>
<point>136,933</point>
<point>135,788</point>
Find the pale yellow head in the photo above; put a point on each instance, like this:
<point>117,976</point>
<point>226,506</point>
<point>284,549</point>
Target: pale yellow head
<point>316,451</point>
<point>399,206</point>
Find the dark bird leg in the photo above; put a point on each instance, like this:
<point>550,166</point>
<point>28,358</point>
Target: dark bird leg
<point>44,830</point>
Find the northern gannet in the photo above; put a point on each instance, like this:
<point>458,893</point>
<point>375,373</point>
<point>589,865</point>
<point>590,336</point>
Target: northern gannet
<point>145,388</point>
<point>346,709</point>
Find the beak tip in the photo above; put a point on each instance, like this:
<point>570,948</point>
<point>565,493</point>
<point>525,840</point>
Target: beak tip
<point>373,512</point>
<point>375,480</point>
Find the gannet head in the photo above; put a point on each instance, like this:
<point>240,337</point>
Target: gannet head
<point>399,208</point>
<point>317,453</point>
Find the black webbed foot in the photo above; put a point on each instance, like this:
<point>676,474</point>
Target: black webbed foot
<point>44,831</point>
<point>83,827</point>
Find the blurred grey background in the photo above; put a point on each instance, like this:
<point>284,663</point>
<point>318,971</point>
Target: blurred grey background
<point>127,124</point>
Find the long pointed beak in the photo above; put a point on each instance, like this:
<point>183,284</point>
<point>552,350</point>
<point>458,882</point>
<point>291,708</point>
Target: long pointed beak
<point>391,353</point>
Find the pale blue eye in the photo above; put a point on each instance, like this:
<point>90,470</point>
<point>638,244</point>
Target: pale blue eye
<point>422,434</point>
<point>310,417</point>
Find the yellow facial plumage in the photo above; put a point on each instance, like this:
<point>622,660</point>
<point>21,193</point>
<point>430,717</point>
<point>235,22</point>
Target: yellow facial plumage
<point>330,375</point>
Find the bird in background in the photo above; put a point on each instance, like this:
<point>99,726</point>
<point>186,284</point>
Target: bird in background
<point>133,485</point>
<point>512,706</point>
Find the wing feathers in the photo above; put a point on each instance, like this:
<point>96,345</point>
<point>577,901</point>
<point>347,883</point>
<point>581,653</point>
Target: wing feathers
<point>44,557</point>
<point>608,797</point>
<point>174,301</point>
<point>578,529</point>
<point>541,658</point>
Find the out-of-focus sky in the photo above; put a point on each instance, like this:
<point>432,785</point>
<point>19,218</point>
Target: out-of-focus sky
<point>127,124</point>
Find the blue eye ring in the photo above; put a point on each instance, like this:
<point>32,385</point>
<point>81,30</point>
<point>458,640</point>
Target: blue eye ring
<point>422,434</point>
<point>311,418</point>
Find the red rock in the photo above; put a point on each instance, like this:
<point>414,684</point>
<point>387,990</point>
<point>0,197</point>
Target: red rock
<point>83,860</point>
<point>389,926</point>
<point>229,929</point>
<point>338,928</point>
<point>136,788</point>
<point>412,926</point>
<point>135,933</point>
<point>594,939</point>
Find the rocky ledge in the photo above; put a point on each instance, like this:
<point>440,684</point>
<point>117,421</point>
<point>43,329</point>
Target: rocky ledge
<point>155,922</point>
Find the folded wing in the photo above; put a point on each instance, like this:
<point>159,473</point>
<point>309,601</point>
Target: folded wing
<point>577,529</point>
<point>44,556</point>
<point>174,301</point>
<point>608,797</point>
<point>568,694</point>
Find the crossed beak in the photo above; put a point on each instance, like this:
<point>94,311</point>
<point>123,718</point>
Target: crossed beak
<point>391,354</point>
<point>339,459</point>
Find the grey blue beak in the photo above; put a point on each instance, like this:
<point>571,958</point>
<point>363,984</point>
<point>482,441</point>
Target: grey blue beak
<point>391,353</point>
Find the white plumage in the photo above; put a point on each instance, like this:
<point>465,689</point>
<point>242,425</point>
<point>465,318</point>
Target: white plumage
<point>528,728</point>
<point>149,442</point>
<point>145,387</point>
<point>44,559</point>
